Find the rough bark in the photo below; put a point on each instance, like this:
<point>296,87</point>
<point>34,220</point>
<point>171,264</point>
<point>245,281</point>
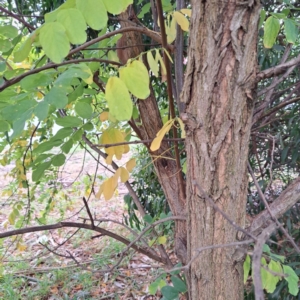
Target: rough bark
<point>218,92</point>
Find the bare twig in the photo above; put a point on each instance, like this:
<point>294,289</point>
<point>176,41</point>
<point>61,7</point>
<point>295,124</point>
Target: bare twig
<point>263,198</point>
<point>89,212</point>
<point>17,17</point>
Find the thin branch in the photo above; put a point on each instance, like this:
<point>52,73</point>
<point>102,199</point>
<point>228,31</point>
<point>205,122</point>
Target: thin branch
<point>263,198</point>
<point>17,17</point>
<point>137,142</point>
<point>256,260</point>
<point>277,70</point>
<point>89,212</point>
<point>83,226</point>
<point>155,36</point>
<point>170,96</point>
<point>17,79</point>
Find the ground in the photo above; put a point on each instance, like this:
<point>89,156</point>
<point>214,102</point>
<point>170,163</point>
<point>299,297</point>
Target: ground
<point>75,269</point>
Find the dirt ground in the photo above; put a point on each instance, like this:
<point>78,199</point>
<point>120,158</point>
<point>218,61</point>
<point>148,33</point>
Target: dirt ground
<point>81,249</point>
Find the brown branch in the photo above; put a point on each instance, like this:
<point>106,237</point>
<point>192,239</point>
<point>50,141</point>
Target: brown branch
<point>277,70</point>
<point>82,226</point>
<point>17,79</point>
<point>170,96</point>
<point>137,142</point>
<point>17,17</point>
<point>89,212</point>
<point>256,260</point>
<point>280,205</point>
<point>155,36</point>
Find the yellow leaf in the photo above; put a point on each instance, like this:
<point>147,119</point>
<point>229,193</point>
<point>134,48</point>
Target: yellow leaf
<point>169,56</point>
<point>181,20</point>
<point>186,11</point>
<point>124,175</point>
<point>99,193</point>
<point>104,116</point>
<point>21,247</point>
<point>182,127</point>
<point>162,240</point>
<point>11,218</point>
<point>126,148</point>
<point>152,63</point>
<point>171,31</point>
<point>39,95</point>
<point>135,76</point>
<point>113,136</point>
<point>130,164</point>
<point>109,187</point>
<point>155,145</point>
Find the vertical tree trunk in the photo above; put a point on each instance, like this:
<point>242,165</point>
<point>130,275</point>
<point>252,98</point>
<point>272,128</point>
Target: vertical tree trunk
<point>219,90</point>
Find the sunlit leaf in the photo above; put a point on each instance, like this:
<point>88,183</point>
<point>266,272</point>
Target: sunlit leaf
<point>152,63</point>
<point>74,23</point>
<point>118,99</point>
<point>8,31</point>
<point>161,240</point>
<point>136,77</point>
<point>155,145</point>
<point>54,41</point>
<point>271,30</point>
<point>181,20</point>
<point>130,164</point>
<point>186,11</point>
<point>247,264</point>
<point>94,12</point>
<point>114,7</point>
<point>124,175</point>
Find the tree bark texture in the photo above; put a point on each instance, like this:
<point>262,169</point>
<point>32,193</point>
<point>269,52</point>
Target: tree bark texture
<point>219,90</point>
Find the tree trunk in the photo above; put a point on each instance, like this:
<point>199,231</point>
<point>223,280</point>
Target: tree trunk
<point>218,91</point>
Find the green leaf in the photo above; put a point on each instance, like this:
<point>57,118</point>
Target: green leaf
<point>57,97</point>
<point>262,18</point>
<point>46,146</point>
<point>88,126</point>
<point>126,3</point>
<point>5,45</point>
<point>42,110</point>
<point>152,63</point>
<point>136,78</point>
<point>272,279</point>
<point>84,110</point>
<point>178,284</point>
<point>74,22</point>
<point>291,30</point>
<point>54,41</point>
<point>32,82</point>
<point>292,280</point>
<point>2,66</point>
<point>68,121</point>
<point>58,160</point>
<point>9,31</point>
<point>4,126</point>
<point>247,263</point>
<point>153,287</point>
<point>145,9</point>
<point>272,27</point>
<point>39,171</point>
<point>148,219</point>
<point>266,249</point>
<point>114,7</point>
<point>52,16</point>
<point>24,50</point>
<point>169,292</point>
<point>94,12</point>
<point>118,99</point>
<point>66,147</point>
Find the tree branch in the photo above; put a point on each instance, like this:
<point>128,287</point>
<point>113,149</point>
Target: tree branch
<point>9,13</point>
<point>277,70</point>
<point>17,79</point>
<point>82,226</point>
<point>284,202</point>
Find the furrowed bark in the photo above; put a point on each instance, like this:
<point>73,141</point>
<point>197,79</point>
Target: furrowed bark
<point>218,91</point>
